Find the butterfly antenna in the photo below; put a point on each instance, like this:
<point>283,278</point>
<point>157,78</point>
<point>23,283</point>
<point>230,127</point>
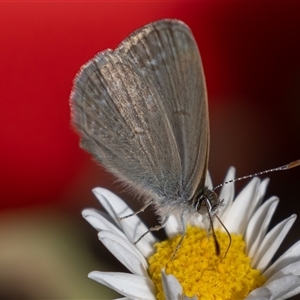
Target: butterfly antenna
<point>291,165</point>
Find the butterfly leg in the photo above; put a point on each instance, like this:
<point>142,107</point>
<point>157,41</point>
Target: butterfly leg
<point>183,224</point>
<point>154,228</point>
<point>137,212</point>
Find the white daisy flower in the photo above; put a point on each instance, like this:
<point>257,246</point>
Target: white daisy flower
<point>197,272</point>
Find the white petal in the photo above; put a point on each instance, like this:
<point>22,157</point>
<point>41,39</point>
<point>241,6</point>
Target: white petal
<point>100,223</point>
<point>131,286</point>
<point>290,294</point>
<point>172,287</point>
<point>290,256</point>
<point>263,188</point>
<point>280,287</point>
<point>109,201</point>
<point>261,293</point>
<point>113,204</point>
<point>226,194</point>
<point>258,225</point>
<point>125,252</point>
<point>291,269</point>
<point>172,227</point>
<point>271,243</point>
<point>188,298</point>
<point>237,217</point>
<point>133,227</point>
<point>257,200</point>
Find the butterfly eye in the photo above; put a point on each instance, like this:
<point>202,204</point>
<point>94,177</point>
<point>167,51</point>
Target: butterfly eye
<point>199,207</point>
<point>207,202</point>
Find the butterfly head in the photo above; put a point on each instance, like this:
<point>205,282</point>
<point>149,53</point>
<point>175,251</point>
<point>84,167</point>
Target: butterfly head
<point>206,202</point>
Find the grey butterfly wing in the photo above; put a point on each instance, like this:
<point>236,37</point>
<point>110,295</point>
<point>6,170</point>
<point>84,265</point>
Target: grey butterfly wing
<point>141,110</point>
<point>118,114</point>
<point>167,52</point>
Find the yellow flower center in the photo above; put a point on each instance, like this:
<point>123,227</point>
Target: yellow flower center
<point>200,271</point>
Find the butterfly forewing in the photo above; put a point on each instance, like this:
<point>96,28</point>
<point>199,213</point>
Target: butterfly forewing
<point>167,52</point>
<point>141,110</point>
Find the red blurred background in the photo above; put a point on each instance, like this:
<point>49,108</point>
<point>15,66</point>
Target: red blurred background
<point>250,52</point>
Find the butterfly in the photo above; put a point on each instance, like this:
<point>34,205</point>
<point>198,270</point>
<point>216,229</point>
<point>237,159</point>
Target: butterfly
<point>141,110</point>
